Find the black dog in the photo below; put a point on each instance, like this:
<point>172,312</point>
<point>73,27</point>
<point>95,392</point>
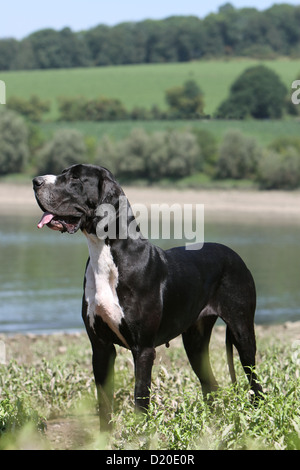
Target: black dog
<point>139,296</point>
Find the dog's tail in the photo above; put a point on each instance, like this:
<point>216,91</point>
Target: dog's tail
<point>229,352</point>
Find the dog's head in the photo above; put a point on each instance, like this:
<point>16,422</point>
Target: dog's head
<point>69,201</point>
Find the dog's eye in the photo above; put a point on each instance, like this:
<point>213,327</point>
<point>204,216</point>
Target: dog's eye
<point>75,179</point>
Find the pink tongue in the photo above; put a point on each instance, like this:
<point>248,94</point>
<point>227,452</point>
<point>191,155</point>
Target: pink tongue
<point>46,218</point>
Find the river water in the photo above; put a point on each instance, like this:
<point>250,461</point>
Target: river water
<point>41,272</point>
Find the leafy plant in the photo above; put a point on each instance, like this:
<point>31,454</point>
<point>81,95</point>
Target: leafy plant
<point>185,102</point>
<point>66,148</point>
<point>33,108</point>
<point>13,143</point>
<point>238,156</point>
<point>258,92</point>
<point>164,154</point>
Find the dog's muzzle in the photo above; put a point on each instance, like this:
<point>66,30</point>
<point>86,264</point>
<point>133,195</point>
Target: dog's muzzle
<point>62,223</point>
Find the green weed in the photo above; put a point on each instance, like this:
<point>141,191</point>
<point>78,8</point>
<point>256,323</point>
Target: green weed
<point>61,390</point>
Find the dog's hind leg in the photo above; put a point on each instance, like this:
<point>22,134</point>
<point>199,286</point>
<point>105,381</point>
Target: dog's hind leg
<point>196,343</point>
<point>239,318</point>
<point>236,304</point>
<point>243,338</point>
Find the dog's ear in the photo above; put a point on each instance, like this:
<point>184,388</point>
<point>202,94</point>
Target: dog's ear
<point>107,211</point>
<point>109,190</point>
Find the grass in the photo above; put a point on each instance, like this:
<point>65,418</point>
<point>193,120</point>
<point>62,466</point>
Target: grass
<point>264,131</point>
<point>50,403</point>
<point>140,85</point>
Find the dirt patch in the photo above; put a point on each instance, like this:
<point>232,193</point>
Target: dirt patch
<point>72,432</point>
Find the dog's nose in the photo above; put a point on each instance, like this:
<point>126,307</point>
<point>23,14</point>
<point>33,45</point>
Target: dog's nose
<point>38,181</point>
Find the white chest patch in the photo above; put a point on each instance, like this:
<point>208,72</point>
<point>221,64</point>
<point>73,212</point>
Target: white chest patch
<point>100,289</point>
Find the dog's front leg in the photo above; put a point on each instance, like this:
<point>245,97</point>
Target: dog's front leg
<point>103,367</point>
<point>143,362</point>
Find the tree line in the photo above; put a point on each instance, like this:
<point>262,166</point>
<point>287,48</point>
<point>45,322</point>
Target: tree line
<point>184,102</point>
<point>230,32</point>
<point>165,157</point>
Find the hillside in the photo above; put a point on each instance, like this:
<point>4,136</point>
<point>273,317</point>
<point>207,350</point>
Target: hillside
<point>139,85</point>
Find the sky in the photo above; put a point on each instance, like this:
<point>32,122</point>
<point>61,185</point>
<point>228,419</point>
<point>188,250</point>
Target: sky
<point>20,18</point>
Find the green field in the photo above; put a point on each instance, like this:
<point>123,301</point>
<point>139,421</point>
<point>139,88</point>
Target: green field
<point>140,85</point>
<point>263,131</point>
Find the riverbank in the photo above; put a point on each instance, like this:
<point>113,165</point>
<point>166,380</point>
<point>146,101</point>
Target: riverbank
<point>218,204</point>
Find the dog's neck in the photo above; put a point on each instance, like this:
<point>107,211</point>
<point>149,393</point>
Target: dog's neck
<point>113,223</point>
<point>95,246</point>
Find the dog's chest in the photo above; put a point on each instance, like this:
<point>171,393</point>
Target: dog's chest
<point>100,289</point>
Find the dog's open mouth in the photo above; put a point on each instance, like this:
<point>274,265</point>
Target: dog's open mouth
<point>62,223</point>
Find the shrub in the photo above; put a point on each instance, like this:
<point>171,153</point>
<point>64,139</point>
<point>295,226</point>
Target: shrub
<point>98,109</point>
<point>258,93</point>
<point>13,143</point>
<point>33,108</point>
<point>140,114</point>
<point>281,144</point>
<point>279,171</point>
<point>280,165</point>
<point>233,108</point>
<point>106,154</point>
<point>66,148</point>
<point>91,146</point>
<point>208,150</point>
<point>185,102</point>
<point>238,156</point>
<point>171,155</point>
<point>161,155</point>
<point>125,158</point>
<point>132,154</point>
<point>71,108</point>
<point>104,109</point>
